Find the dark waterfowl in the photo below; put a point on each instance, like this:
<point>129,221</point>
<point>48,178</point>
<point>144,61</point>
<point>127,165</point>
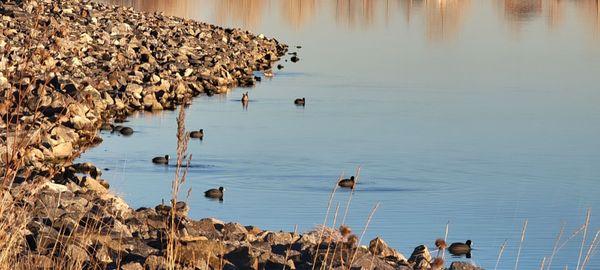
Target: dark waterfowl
<point>198,134</point>
<point>126,131</point>
<point>459,249</point>
<point>245,97</point>
<point>214,193</point>
<point>161,160</point>
<point>300,101</point>
<point>347,183</point>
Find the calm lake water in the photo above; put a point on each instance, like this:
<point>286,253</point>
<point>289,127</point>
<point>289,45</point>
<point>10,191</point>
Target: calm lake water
<point>478,113</point>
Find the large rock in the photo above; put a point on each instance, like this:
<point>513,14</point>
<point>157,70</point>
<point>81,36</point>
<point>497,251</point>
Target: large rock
<point>380,248</point>
<point>234,232</point>
<point>65,134</point>
<point>243,258</point>
<point>196,253</point>
<point>62,150</point>
<point>81,122</point>
<point>420,257</point>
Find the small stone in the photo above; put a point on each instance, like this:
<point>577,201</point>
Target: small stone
<point>132,266</point>
<point>464,266</point>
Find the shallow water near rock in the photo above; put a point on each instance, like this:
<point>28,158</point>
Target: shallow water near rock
<point>480,113</point>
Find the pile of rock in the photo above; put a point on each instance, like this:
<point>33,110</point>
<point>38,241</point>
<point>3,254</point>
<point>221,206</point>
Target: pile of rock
<point>81,64</point>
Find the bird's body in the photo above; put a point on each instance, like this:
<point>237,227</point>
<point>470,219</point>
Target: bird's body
<point>126,131</point>
<point>459,249</point>
<point>161,160</point>
<point>214,193</point>
<point>347,183</point>
<point>245,97</point>
<point>198,134</point>
<point>300,101</point>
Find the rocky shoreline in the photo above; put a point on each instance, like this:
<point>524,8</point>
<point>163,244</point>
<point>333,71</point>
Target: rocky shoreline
<point>70,68</point>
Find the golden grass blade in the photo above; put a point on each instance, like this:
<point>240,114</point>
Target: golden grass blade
<point>502,247</point>
<point>356,178</point>
<point>362,234</point>
<point>585,229</point>
<point>521,243</point>
<point>555,247</point>
<point>331,196</point>
<point>324,264</point>
<point>590,250</point>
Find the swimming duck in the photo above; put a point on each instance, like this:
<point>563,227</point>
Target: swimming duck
<point>199,134</point>
<point>245,97</point>
<point>459,249</point>
<point>161,160</point>
<point>214,193</point>
<point>300,101</point>
<point>126,131</point>
<point>347,183</point>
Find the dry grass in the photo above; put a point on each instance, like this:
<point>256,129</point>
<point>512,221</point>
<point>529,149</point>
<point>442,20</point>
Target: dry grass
<point>178,180</point>
<point>521,243</point>
<point>502,247</point>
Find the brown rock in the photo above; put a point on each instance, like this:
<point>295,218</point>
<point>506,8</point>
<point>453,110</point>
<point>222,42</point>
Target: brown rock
<point>154,262</point>
<point>132,266</point>
<point>420,257</point>
<point>464,266</point>
<point>196,254</point>
<point>380,248</point>
<point>62,150</point>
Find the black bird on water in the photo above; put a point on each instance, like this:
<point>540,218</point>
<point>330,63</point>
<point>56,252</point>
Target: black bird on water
<point>214,193</point>
<point>459,249</point>
<point>347,183</point>
<point>161,160</point>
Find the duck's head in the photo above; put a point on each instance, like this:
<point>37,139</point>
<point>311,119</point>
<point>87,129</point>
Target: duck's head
<point>167,157</point>
<point>221,189</point>
<point>468,243</point>
<point>352,178</point>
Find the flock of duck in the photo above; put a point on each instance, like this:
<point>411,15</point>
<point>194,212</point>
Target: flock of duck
<point>217,193</point>
<point>457,249</point>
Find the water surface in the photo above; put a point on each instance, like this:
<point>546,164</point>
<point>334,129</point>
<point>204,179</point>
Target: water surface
<point>480,113</point>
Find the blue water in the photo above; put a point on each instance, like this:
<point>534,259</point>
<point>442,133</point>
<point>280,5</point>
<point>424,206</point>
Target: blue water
<point>475,113</point>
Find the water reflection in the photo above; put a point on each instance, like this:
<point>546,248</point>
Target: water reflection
<point>521,10</point>
<point>443,19</point>
<point>248,13</point>
<point>589,12</point>
<point>298,12</point>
